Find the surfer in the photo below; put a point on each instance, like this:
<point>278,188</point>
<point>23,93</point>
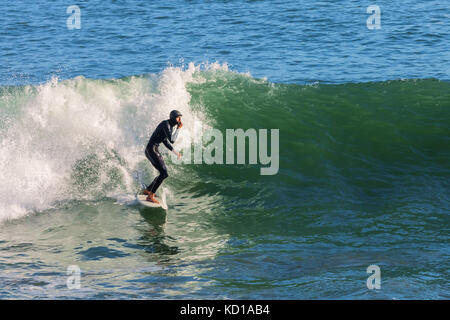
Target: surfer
<point>164,133</point>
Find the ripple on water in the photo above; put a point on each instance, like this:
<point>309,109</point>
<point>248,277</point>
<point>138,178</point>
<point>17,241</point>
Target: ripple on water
<point>101,252</point>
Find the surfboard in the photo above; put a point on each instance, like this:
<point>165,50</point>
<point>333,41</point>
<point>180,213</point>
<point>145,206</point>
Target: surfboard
<point>141,198</point>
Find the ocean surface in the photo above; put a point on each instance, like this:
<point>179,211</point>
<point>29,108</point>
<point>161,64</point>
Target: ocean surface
<point>364,146</point>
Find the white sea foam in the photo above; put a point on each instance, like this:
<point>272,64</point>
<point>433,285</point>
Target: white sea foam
<point>82,130</point>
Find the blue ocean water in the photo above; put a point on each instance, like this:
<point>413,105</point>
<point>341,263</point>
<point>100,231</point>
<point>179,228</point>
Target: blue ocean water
<point>363,114</point>
<point>285,41</point>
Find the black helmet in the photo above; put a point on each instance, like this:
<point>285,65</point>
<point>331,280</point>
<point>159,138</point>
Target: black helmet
<point>174,114</point>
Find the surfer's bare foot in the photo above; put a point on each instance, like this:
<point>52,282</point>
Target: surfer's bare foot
<point>146,192</point>
<point>151,198</point>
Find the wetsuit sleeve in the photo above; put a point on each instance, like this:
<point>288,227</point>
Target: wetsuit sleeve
<point>167,144</point>
<point>168,136</point>
<point>167,131</point>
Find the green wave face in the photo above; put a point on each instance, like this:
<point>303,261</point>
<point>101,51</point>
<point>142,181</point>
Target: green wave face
<point>363,147</point>
<point>370,146</point>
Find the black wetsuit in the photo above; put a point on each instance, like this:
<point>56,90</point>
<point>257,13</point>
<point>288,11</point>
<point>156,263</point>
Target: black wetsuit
<point>163,133</point>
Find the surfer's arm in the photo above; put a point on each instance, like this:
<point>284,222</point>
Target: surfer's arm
<point>169,134</point>
<point>170,147</point>
<point>167,144</point>
<point>169,138</point>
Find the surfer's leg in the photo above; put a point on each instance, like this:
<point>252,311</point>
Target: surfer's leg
<point>150,157</point>
<point>158,162</point>
<point>162,174</point>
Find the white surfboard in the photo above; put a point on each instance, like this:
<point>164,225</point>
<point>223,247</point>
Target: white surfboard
<point>141,198</point>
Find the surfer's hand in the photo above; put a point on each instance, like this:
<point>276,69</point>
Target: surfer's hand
<point>178,154</point>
